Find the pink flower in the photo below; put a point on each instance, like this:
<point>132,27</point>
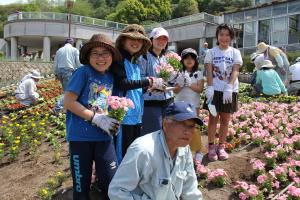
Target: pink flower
<point>292,174</point>
<point>276,184</point>
<point>253,191</point>
<point>243,196</point>
<point>216,173</point>
<point>294,191</point>
<point>257,164</point>
<point>241,184</point>
<point>279,170</point>
<point>261,179</point>
<point>282,197</point>
<point>201,169</point>
<point>271,155</point>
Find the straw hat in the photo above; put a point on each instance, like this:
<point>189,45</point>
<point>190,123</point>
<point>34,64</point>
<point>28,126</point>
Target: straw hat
<point>267,64</point>
<point>98,40</point>
<point>134,31</point>
<point>262,47</point>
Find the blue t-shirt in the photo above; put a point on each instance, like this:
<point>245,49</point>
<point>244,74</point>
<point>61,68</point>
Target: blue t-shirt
<point>93,89</point>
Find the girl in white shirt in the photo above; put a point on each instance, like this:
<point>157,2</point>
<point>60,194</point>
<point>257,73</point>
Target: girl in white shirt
<point>222,64</point>
<point>188,88</point>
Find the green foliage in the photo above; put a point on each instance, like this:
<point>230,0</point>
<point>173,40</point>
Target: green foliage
<point>187,7</point>
<point>247,65</point>
<point>218,6</point>
<point>129,11</point>
<point>292,56</point>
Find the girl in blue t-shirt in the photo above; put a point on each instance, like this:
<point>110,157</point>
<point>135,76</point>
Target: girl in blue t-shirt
<point>89,129</point>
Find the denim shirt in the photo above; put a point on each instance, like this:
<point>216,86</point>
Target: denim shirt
<point>148,172</point>
<point>148,68</point>
<point>134,116</point>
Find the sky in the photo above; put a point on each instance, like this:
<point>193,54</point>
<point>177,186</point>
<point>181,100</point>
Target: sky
<point>4,2</point>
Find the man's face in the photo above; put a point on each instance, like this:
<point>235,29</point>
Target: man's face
<point>179,133</point>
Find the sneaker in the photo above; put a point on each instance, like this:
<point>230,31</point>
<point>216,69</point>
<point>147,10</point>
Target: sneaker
<point>212,154</point>
<point>222,154</point>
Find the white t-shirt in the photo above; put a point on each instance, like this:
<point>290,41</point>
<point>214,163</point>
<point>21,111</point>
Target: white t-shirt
<point>222,62</point>
<point>295,71</point>
<point>187,94</point>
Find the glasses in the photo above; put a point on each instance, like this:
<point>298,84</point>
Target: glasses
<point>100,55</point>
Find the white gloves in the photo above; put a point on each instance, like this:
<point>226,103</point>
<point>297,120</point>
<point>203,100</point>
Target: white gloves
<point>158,83</point>
<point>108,124</point>
<point>180,80</point>
<point>209,93</point>
<point>187,79</point>
<point>227,93</point>
<point>184,79</point>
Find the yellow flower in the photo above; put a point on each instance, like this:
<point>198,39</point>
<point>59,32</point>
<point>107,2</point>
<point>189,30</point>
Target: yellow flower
<point>10,124</point>
<point>17,125</point>
<point>13,148</point>
<point>18,137</point>
<point>17,141</point>
<point>37,113</point>
<point>35,141</point>
<point>42,123</point>
<point>58,174</point>
<point>44,192</point>
<point>4,122</point>
<point>39,133</point>
<point>47,115</point>
<point>2,144</point>
<point>33,125</point>
<point>24,116</point>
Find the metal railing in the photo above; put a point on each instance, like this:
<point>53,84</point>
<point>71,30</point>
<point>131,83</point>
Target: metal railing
<point>53,16</point>
<point>187,19</point>
<point>109,24</point>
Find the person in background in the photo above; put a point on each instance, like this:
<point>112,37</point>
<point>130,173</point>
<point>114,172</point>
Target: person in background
<point>188,88</point>
<point>294,87</point>
<point>90,130</point>
<point>202,52</point>
<point>155,102</point>
<point>258,60</point>
<point>269,79</point>
<point>159,165</point>
<point>65,62</point>
<point>222,64</point>
<point>132,43</point>
<point>26,92</point>
<point>275,54</point>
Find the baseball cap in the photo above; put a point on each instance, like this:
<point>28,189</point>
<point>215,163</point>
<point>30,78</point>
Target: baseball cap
<point>182,111</point>
<point>157,32</point>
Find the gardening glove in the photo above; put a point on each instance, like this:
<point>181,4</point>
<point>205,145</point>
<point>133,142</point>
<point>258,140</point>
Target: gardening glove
<point>158,83</point>
<point>209,93</point>
<point>187,80</point>
<point>227,93</point>
<point>180,80</point>
<point>108,124</point>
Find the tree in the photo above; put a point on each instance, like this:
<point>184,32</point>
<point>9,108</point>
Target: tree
<point>129,11</point>
<point>158,10</point>
<point>187,7</point>
<point>219,6</point>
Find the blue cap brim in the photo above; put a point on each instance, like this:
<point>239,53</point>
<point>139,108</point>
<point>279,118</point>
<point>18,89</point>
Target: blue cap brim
<point>187,116</point>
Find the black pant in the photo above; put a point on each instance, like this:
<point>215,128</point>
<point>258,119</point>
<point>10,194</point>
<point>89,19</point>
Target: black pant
<point>129,134</point>
<point>82,156</point>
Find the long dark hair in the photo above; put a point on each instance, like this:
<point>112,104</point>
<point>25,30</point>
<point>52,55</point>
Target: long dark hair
<point>225,27</point>
<point>195,67</point>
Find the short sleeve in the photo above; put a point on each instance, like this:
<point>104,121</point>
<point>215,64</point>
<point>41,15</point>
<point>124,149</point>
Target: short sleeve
<point>237,58</point>
<point>208,58</point>
<point>199,75</point>
<point>78,81</point>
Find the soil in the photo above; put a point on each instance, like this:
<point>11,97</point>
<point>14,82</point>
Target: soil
<point>22,179</point>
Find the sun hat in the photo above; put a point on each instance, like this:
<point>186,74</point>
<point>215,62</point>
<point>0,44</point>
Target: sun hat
<point>189,51</point>
<point>35,74</point>
<point>253,56</point>
<point>98,40</point>
<point>134,31</point>
<point>157,32</point>
<point>69,40</point>
<point>262,47</point>
<point>181,111</point>
<point>267,64</point>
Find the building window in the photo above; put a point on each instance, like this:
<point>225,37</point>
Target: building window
<point>265,12</point>
<point>250,15</point>
<point>239,35</point>
<point>279,9</point>
<point>279,31</point>
<point>238,17</point>
<point>294,29</point>
<point>250,34</point>
<point>264,33</point>
<point>294,6</point>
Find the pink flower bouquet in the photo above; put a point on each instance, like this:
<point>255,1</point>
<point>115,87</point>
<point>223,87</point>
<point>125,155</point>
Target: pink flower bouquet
<point>164,71</point>
<point>174,60</point>
<point>119,107</point>
<point>218,177</point>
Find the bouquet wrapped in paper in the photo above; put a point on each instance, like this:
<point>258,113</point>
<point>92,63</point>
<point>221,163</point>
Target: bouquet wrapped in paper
<point>119,107</point>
